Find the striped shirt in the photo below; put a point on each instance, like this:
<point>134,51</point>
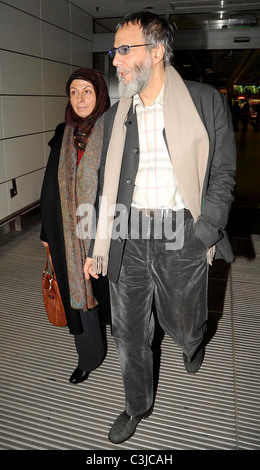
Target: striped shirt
<point>155,185</point>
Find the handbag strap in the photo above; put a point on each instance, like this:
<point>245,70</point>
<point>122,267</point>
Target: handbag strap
<point>48,257</point>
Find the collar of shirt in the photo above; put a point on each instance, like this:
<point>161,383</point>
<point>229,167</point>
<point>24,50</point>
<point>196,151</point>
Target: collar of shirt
<point>138,102</point>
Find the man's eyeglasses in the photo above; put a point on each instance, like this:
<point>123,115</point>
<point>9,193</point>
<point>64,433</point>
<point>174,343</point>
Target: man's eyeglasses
<point>123,50</point>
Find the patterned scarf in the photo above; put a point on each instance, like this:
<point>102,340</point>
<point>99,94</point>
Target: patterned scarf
<point>78,183</point>
<point>78,187</point>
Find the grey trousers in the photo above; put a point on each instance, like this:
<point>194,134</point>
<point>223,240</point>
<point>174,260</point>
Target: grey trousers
<point>167,262</point>
<point>90,344</point>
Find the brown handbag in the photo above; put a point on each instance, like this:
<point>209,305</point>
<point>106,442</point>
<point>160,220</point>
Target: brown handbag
<point>51,296</point>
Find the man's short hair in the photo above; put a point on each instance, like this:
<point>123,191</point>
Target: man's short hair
<point>155,30</point>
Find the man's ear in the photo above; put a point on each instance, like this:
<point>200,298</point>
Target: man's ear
<point>158,52</point>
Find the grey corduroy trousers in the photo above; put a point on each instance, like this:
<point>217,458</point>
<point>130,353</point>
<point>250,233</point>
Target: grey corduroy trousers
<point>163,260</point>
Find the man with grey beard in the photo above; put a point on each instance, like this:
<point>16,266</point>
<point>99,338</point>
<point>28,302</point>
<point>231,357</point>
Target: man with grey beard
<point>167,166</point>
<point>140,78</point>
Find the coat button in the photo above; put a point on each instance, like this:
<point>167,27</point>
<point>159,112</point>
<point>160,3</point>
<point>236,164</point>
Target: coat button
<point>136,150</point>
<point>129,181</point>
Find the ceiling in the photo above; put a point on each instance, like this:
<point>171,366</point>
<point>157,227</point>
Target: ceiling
<point>221,67</point>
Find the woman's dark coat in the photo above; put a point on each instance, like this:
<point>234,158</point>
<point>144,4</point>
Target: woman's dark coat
<point>52,233</point>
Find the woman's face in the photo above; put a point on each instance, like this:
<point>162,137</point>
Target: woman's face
<point>82,97</point>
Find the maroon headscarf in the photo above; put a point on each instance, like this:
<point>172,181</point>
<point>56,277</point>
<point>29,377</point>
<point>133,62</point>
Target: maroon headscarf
<point>83,126</point>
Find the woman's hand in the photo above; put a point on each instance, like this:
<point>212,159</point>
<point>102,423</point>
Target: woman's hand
<point>88,269</point>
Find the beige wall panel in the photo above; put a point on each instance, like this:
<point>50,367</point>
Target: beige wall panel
<point>55,76</point>
<point>55,43</point>
<point>81,52</point>
<point>1,118</point>
<point>4,209</point>
<point>81,23</point>
<point>28,190</point>
<point>29,6</point>
<point>19,32</point>
<point>47,137</point>
<point>2,162</point>
<point>54,110</point>
<point>29,79</point>
<point>25,154</point>
<point>0,78</point>
<point>56,12</point>
<point>45,41</point>
<point>22,115</point>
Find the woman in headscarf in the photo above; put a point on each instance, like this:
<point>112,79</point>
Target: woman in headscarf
<point>70,187</point>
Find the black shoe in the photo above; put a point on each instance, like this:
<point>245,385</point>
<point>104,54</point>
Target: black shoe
<point>193,366</point>
<point>124,426</point>
<point>79,376</point>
